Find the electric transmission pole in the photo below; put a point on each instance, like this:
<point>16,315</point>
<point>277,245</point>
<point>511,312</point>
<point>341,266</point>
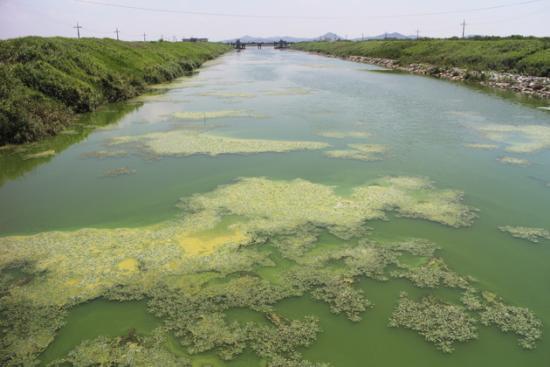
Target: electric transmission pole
<point>144,37</point>
<point>417,33</point>
<point>463,24</point>
<point>78,26</point>
<point>117,32</point>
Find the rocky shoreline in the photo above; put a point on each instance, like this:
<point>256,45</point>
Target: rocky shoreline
<point>538,87</point>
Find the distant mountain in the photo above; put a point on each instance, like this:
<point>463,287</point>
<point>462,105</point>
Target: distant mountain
<point>393,35</point>
<point>326,37</point>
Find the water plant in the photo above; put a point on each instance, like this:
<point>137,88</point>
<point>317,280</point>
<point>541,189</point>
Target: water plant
<point>40,155</point>
<point>482,146</point>
<point>195,268</point>
<point>209,115</point>
<point>343,134</point>
<point>533,137</point>
<point>189,142</point>
<point>512,319</point>
<point>132,349</point>
<point>534,235</point>
<point>514,161</point>
<point>122,171</point>
<point>440,323</point>
<point>362,152</point>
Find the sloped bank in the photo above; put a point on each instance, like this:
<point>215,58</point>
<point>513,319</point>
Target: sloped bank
<point>45,82</point>
<point>519,65</point>
<point>534,86</point>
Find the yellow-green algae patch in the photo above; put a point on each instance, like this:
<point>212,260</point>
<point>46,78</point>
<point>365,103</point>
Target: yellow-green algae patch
<point>209,115</point>
<point>295,91</point>
<point>104,154</point>
<point>189,142</point>
<point>40,155</point>
<point>482,146</point>
<point>362,152</point>
<point>518,138</point>
<point>343,134</point>
<point>195,268</point>
<point>534,235</point>
<point>121,171</point>
<point>514,161</point>
<point>441,323</point>
<point>228,94</point>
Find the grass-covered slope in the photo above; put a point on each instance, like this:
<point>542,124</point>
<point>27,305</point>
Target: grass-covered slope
<point>44,82</point>
<point>530,56</point>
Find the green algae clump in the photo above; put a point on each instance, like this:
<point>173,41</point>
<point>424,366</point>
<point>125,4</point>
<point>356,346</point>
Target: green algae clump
<point>343,134</point>
<point>190,142</point>
<point>482,146</point>
<point>129,350</point>
<point>209,115</point>
<point>440,323</point>
<point>362,152</point>
<point>116,172</point>
<point>534,137</point>
<point>514,161</point>
<point>40,155</point>
<point>534,235</point>
<point>515,320</point>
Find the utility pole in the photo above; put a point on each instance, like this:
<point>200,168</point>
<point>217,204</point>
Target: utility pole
<point>78,27</point>
<point>144,37</point>
<point>117,31</point>
<point>463,24</point>
<point>417,34</point>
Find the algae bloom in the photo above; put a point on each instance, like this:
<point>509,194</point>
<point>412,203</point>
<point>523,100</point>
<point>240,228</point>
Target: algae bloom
<point>190,142</point>
<point>361,152</point>
<point>514,161</point>
<point>343,134</point>
<point>534,235</point>
<point>209,115</point>
<point>532,138</point>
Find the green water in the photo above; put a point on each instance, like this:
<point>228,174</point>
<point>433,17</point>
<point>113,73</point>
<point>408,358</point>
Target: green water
<point>425,124</point>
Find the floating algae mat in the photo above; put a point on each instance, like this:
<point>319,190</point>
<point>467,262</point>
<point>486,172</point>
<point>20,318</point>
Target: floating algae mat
<point>278,244</point>
<point>190,142</point>
<point>362,152</point>
<point>343,134</point>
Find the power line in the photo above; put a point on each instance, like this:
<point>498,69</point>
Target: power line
<point>233,15</point>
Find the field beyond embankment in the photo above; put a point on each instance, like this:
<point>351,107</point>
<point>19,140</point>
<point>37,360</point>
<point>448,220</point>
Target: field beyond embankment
<point>44,82</point>
<point>527,56</point>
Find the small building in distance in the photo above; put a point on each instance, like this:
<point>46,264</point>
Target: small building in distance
<point>193,39</point>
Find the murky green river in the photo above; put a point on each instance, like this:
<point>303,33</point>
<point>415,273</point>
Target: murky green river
<point>453,135</point>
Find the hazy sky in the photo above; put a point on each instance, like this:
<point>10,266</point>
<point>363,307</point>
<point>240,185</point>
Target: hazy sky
<point>223,19</point>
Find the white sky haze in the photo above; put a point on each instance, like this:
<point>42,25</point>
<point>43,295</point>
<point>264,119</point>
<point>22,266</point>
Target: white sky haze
<point>225,19</point>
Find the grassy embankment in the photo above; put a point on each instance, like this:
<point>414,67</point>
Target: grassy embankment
<point>45,82</point>
<point>529,56</point>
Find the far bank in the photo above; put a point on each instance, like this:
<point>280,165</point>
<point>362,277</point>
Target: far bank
<point>520,65</point>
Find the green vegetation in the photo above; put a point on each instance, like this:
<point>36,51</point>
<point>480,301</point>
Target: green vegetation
<point>529,56</point>
<point>534,235</point>
<point>438,322</point>
<point>193,270</point>
<point>44,82</point>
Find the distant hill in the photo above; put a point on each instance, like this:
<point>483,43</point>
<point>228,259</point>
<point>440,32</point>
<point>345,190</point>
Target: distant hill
<point>393,35</point>
<point>325,37</point>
